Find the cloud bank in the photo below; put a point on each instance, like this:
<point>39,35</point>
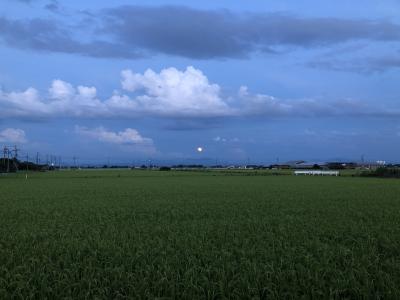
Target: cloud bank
<point>193,33</point>
<point>131,32</point>
<point>171,93</point>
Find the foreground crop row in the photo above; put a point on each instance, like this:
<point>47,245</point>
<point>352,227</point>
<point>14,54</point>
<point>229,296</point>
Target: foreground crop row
<point>127,234</point>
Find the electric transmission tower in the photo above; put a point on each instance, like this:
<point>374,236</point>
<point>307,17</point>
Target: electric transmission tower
<point>6,158</point>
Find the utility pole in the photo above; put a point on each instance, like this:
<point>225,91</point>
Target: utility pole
<point>4,156</point>
<point>27,166</point>
<point>37,158</point>
<point>8,159</point>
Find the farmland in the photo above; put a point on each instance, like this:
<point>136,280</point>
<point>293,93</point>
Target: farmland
<point>198,235</point>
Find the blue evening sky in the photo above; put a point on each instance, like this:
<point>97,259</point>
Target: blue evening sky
<point>248,81</point>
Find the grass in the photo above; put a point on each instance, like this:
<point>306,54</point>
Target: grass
<point>198,235</point>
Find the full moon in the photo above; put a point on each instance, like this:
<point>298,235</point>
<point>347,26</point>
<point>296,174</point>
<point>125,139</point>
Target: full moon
<point>199,149</point>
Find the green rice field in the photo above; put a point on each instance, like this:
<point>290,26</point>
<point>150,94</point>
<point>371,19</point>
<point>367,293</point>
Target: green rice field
<point>122,234</point>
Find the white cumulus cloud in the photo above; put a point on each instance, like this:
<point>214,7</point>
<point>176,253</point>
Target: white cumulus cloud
<point>128,136</point>
<point>174,92</point>
<point>171,93</point>
<point>13,135</point>
<point>61,90</point>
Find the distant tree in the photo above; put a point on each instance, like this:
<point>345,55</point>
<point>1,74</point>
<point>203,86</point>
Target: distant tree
<point>335,166</point>
<point>165,169</point>
<point>383,172</point>
<point>316,167</point>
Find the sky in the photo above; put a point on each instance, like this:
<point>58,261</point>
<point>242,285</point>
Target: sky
<point>248,81</point>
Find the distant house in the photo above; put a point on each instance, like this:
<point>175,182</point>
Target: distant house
<point>316,173</point>
<point>341,165</point>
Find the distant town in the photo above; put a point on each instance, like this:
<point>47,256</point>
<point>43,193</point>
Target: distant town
<point>13,161</point>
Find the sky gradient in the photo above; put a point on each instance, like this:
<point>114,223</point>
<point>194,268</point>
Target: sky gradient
<point>250,82</point>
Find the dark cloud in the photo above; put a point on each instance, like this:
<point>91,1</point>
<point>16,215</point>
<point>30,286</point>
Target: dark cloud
<point>53,6</point>
<point>178,31</point>
<point>130,31</point>
<point>384,63</point>
<point>46,35</point>
<point>366,65</point>
<point>220,34</point>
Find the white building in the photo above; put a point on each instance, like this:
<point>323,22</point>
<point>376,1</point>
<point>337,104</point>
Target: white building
<point>316,173</point>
